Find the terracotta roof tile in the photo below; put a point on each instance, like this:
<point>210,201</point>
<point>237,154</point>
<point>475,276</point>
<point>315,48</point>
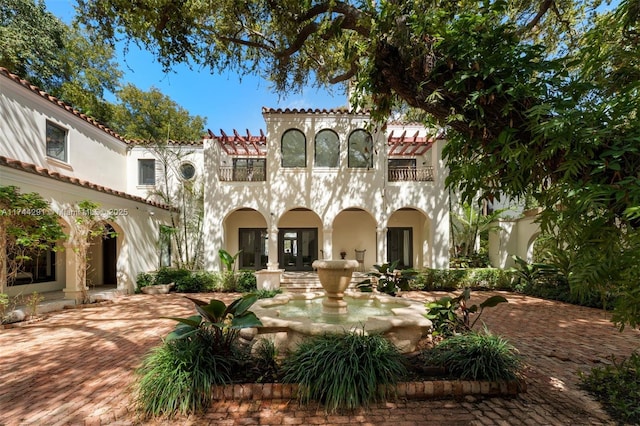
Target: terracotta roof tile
<point>24,83</point>
<point>32,168</point>
<point>266,110</point>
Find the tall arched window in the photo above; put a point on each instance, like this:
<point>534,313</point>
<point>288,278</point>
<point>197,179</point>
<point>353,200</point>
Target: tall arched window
<point>327,149</point>
<point>360,149</point>
<point>294,149</point>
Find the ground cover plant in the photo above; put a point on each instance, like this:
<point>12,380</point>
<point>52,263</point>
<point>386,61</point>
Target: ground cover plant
<point>617,387</point>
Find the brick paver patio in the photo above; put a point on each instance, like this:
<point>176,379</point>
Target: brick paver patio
<point>75,367</point>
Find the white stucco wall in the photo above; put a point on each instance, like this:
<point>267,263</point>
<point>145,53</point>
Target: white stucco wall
<point>137,225</point>
<point>92,154</point>
<point>350,207</point>
<point>515,237</point>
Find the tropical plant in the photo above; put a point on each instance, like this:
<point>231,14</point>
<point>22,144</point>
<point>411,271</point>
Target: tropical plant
<point>228,260</point>
<point>346,370</point>
<point>224,322</point>
<point>28,226</point>
<point>388,279</point>
<point>451,315</point>
<point>178,376</point>
<point>468,225</point>
<point>617,387</point>
<point>477,356</point>
<point>530,274</point>
<point>246,282</point>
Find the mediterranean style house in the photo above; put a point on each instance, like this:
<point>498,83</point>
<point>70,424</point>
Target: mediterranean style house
<point>318,184</point>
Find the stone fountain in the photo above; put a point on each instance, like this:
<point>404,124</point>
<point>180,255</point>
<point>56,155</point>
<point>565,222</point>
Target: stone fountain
<point>288,318</point>
<point>335,277</point>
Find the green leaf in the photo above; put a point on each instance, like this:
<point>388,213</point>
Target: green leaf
<point>493,301</point>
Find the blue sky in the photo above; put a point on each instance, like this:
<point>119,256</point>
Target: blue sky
<point>227,102</point>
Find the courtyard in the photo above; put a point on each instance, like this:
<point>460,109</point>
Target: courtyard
<point>76,366</point>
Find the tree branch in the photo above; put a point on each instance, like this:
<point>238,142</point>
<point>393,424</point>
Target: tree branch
<point>544,8</point>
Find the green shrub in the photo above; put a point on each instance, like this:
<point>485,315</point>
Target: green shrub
<point>196,282</point>
<point>476,356</point>
<point>449,279</point>
<point>144,279</point>
<point>171,275</point>
<point>246,282</point>
<point>344,370</point>
<point>617,387</point>
<point>267,294</point>
<point>177,377</point>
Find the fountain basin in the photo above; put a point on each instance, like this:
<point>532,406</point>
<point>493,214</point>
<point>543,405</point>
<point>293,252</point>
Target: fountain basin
<point>289,318</point>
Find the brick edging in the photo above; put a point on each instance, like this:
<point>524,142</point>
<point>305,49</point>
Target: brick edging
<point>430,389</point>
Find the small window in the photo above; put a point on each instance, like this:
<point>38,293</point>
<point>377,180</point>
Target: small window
<point>294,149</point>
<point>56,142</point>
<point>187,171</point>
<point>327,149</point>
<point>360,149</point>
<point>146,172</point>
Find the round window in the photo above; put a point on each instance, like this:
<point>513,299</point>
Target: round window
<point>187,171</point>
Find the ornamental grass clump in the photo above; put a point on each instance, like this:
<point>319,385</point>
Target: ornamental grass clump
<point>344,371</point>
<point>477,356</point>
<point>177,377</point>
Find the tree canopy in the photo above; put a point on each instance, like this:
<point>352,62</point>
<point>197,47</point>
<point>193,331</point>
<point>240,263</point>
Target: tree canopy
<point>80,70</point>
<point>153,116</point>
<point>540,98</point>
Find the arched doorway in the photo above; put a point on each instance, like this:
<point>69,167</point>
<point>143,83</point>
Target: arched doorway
<point>298,242</point>
<point>109,256</point>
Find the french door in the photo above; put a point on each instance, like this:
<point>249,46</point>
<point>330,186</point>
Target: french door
<point>400,246</point>
<point>253,243</point>
<point>297,248</point>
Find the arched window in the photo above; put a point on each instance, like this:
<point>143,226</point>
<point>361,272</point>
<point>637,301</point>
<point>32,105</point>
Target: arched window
<point>327,149</point>
<point>294,149</point>
<point>360,149</point>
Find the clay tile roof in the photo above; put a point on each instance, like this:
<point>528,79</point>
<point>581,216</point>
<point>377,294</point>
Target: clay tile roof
<point>24,83</point>
<point>266,110</point>
<point>32,168</point>
<point>169,142</point>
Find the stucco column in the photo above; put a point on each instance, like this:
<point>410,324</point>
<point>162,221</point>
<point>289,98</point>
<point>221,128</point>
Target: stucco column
<point>381,242</point>
<point>327,243</point>
<point>272,243</point>
<point>72,289</point>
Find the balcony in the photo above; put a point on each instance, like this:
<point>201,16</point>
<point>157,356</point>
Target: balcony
<point>410,174</point>
<point>241,174</point>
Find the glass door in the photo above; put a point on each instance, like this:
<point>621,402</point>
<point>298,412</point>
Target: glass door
<point>400,246</point>
<point>253,243</point>
<point>298,248</point>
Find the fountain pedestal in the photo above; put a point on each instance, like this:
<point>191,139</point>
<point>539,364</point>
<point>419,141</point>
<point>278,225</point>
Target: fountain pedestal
<point>335,277</point>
